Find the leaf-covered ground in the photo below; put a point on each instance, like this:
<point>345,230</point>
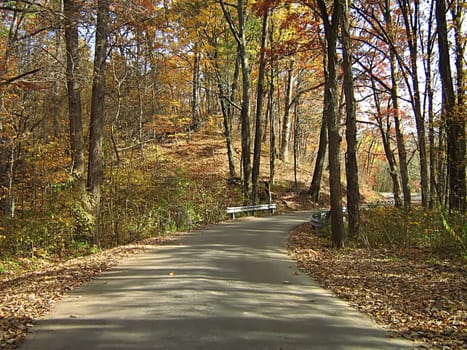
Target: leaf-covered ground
<point>35,286</point>
<point>416,294</point>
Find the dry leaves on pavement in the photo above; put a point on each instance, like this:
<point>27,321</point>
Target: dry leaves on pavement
<point>25,297</point>
<point>416,294</point>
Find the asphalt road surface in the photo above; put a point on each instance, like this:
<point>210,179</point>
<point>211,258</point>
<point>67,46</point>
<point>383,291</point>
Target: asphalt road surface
<point>229,286</point>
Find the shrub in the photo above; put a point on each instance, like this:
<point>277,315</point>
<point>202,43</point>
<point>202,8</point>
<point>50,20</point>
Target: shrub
<point>394,227</point>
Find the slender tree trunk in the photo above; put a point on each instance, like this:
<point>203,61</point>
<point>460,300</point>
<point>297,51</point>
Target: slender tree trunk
<point>319,163</point>
<point>459,35</point>
<point>429,99</point>
<point>331,89</point>
<point>272,125</point>
<point>296,144</point>
<point>234,87</point>
<point>259,109</point>
<point>195,98</point>
<point>245,113</point>
<point>96,127</point>
<point>402,153</point>
<point>322,145</point>
<point>411,23</point>
<point>353,192</point>
<point>240,37</point>
<point>227,111</point>
<point>387,147</point>
<point>138,75</point>
<point>71,9</point>
<point>286,122</point>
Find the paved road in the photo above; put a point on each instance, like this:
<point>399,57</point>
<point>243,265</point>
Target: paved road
<point>230,286</point>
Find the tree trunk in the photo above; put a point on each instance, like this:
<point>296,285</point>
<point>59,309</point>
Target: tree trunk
<point>455,121</point>
<point>353,192</point>
<point>385,136</point>
<point>272,126</point>
<point>259,109</point>
<point>411,23</point>
<point>245,113</point>
<point>296,142</point>
<point>195,98</point>
<point>286,122</point>
<point>429,99</point>
<point>402,153</point>
<point>239,35</point>
<point>323,143</point>
<point>459,36</point>
<point>320,157</point>
<point>138,75</point>
<point>96,127</point>
<point>226,109</point>
<point>71,10</point>
<point>331,89</point>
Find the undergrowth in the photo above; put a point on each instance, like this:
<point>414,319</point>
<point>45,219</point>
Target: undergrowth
<point>142,197</point>
<point>417,228</point>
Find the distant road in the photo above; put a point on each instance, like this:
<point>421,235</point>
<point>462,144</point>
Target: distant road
<point>229,286</point>
<point>414,197</point>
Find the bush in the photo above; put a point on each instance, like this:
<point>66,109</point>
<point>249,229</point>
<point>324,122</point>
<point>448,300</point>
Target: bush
<point>394,227</point>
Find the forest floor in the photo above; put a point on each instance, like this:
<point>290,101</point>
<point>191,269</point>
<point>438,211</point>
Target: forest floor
<point>417,294</point>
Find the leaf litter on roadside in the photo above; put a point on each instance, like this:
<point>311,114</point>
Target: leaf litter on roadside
<point>417,295</point>
<point>27,295</point>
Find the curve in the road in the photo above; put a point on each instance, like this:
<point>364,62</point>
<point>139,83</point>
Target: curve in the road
<point>230,286</point>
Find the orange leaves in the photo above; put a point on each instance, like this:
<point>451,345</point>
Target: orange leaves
<point>260,7</point>
<point>376,281</point>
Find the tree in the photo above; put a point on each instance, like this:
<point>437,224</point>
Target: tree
<point>96,126</point>
<point>225,100</point>
<point>259,107</point>
<point>239,34</point>
<point>410,14</point>
<point>195,98</point>
<point>331,28</point>
<point>455,121</point>
<point>286,120</point>
<point>395,106</point>
<point>71,10</point>
<point>384,34</point>
<point>353,193</point>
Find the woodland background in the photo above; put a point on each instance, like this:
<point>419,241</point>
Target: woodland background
<point>98,100</point>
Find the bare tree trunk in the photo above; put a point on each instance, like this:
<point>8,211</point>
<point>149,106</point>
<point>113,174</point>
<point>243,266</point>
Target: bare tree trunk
<point>385,136</point>
<point>272,122</point>
<point>459,35</point>
<point>71,9</point>
<point>353,192</point>
<point>411,23</point>
<point>286,122</point>
<point>259,109</point>
<point>226,108</point>
<point>427,47</point>
<point>96,127</point>
<point>455,122</point>
<point>239,35</point>
<point>138,75</point>
<point>323,143</point>
<point>195,98</point>
<point>331,89</point>
<point>402,153</point>
<point>296,141</point>
<point>319,163</point>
